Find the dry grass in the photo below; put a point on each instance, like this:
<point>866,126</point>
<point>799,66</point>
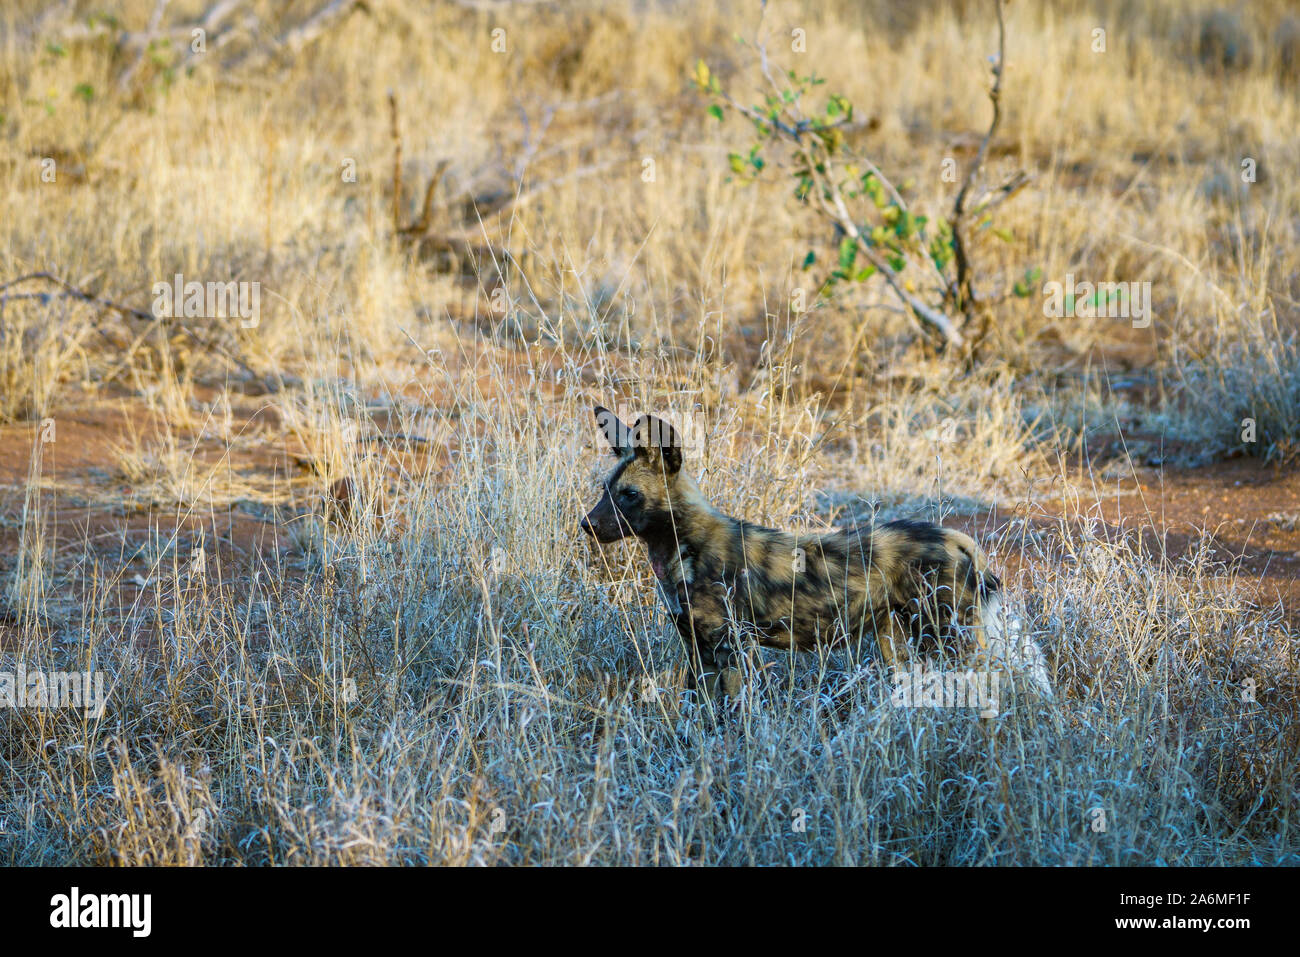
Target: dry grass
<point>429,666</point>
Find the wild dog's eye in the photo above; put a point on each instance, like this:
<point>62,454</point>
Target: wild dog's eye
<point>629,496</point>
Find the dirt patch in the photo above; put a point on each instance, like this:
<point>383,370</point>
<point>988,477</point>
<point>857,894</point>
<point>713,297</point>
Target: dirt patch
<point>1242,515</point>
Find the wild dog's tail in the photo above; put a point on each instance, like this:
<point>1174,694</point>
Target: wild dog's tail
<point>1003,634</point>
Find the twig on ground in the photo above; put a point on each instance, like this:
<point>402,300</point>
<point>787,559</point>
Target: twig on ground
<point>75,292</point>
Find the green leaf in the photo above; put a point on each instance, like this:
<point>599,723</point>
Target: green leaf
<point>809,259</point>
<point>848,252</point>
<point>85,91</point>
<point>832,139</point>
<point>737,162</point>
<point>715,111</point>
<point>1024,287</point>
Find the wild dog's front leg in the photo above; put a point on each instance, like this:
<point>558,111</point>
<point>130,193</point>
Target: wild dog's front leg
<point>726,664</point>
<point>891,636</point>
<point>712,662</point>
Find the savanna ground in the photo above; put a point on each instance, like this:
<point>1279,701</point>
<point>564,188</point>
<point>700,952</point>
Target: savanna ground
<point>329,561</point>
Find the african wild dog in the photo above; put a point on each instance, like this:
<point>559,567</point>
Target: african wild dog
<point>721,577</point>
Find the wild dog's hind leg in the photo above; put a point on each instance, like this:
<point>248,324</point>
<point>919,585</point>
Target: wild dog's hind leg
<point>891,636</point>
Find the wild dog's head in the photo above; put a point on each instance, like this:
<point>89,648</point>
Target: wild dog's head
<point>638,495</point>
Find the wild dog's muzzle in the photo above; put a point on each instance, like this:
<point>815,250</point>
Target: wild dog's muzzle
<point>604,522</point>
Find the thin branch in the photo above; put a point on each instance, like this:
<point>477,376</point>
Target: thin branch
<point>304,33</point>
<point>397,162</point>
<point>928,314</point>
<point>962,291</point>
<point>212,18</point>
<point>996,197</point>
<point>426,211</point>
<point>75,292</point>
<point>297,38</point>
<point>70,290</point>
<point>155,22</point>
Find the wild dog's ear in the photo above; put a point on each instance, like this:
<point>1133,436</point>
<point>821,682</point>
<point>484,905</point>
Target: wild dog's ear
<point>659,443</point>
<point>617,434</point>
